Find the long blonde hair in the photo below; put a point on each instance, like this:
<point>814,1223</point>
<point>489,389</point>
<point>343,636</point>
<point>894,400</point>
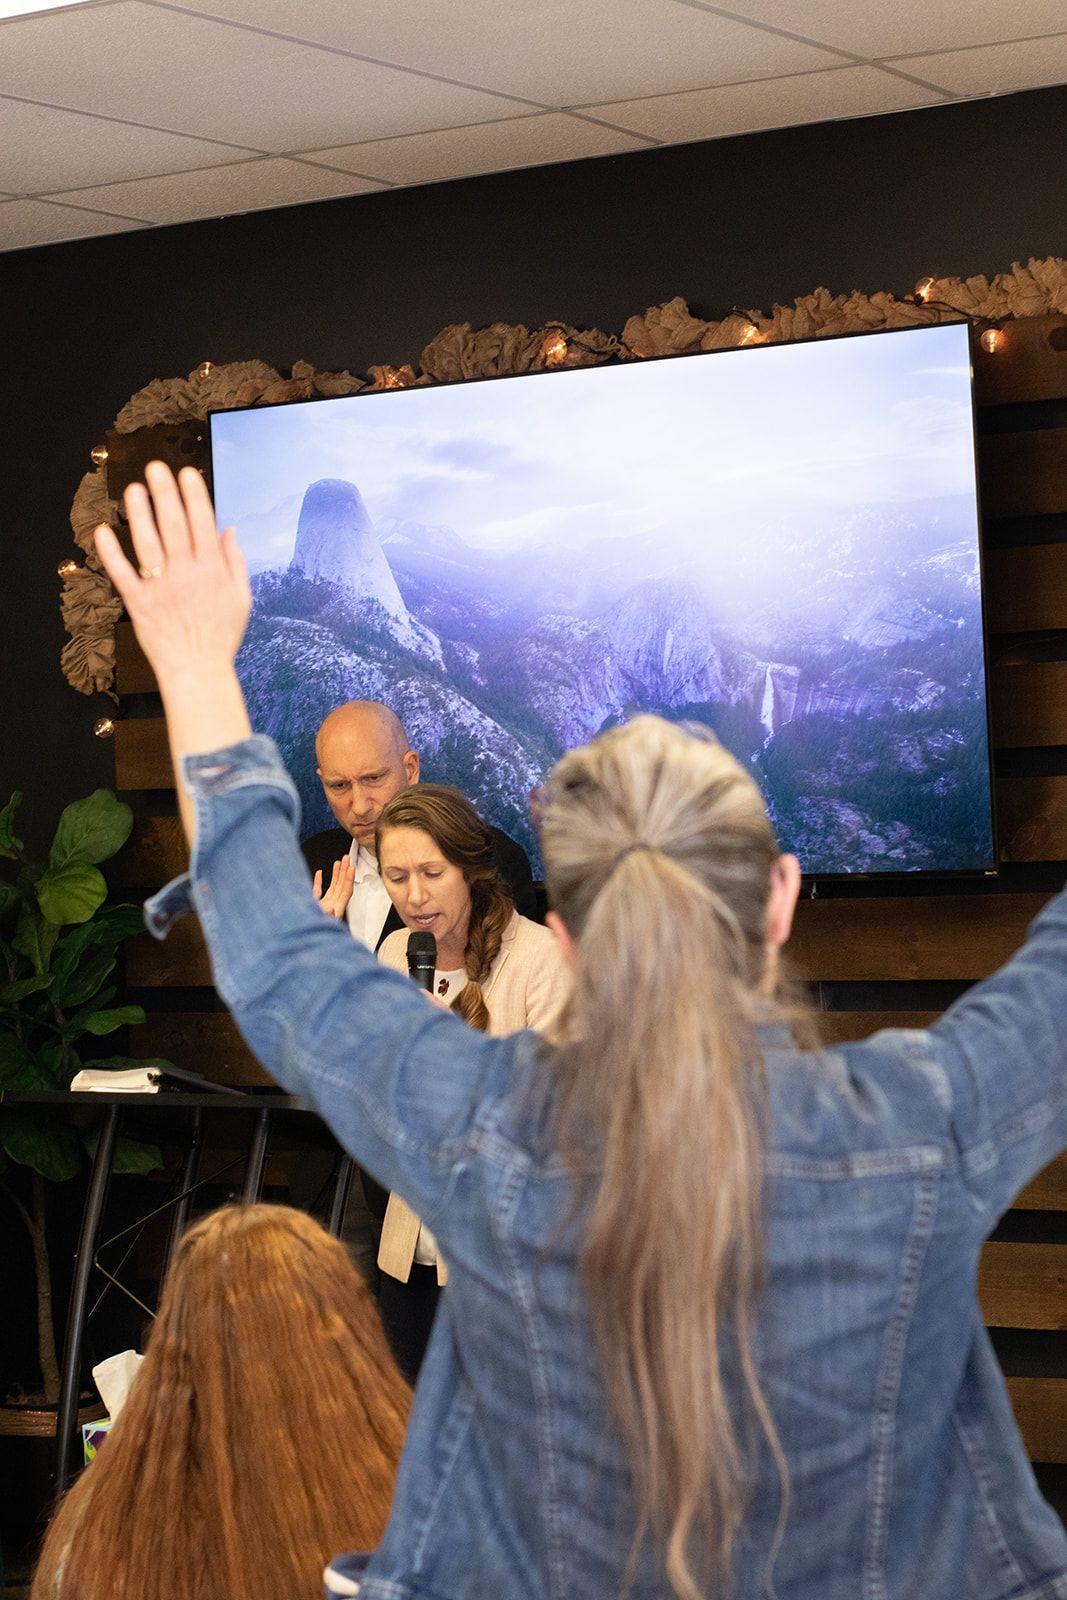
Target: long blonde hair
<point>465,842</point>
<point>658,856</point>
<point>261,1435</point>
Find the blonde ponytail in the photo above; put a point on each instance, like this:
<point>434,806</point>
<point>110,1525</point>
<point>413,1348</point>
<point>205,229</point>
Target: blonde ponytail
<point>658,858</point>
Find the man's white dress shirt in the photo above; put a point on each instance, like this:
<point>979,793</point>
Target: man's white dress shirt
<point>370,903</point>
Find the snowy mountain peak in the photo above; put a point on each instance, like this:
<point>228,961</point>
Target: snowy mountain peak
<point>336,542</point>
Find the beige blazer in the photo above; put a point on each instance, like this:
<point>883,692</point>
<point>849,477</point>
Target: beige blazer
<point>526,987</point>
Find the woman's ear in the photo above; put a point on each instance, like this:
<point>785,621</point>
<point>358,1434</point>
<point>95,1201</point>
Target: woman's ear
<point>782,902</point>
<point>556,925</point>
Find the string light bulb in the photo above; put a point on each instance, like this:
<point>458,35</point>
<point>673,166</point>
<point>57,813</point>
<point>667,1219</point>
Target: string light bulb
<point>205,369</point>
<point>924,289</point>
<point>394,378</point>
<point>751,334</point>
<point>67,568</point>
<point>98,455</point>
<point>990,340</point>
<point>554,349</point>
<point>104,727</point>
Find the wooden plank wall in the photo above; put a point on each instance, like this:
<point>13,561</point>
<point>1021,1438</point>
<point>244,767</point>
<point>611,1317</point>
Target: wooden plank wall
<point>876,954</point>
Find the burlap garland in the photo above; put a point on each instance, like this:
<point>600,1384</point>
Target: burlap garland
<point>91,608</point>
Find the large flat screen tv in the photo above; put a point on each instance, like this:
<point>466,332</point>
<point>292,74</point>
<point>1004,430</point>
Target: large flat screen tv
<point>780,542</point>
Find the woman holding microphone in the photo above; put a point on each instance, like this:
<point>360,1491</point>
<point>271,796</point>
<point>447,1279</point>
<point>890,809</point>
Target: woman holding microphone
<point>711,1325</point>
<point>497,970</point>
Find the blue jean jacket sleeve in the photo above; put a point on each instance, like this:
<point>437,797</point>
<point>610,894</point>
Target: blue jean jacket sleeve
<point>1003,1046</point>
<point>399,1081</point>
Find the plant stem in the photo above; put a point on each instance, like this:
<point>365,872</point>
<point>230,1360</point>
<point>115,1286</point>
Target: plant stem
<point>36,1022</point>
<point>36,1226</point>
<point>46,1332</point>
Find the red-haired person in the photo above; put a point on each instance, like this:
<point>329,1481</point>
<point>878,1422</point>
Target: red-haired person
<point>261,1434</point>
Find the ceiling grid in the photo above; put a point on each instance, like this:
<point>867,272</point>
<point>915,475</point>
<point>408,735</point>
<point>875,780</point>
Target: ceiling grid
<point>260,105</point>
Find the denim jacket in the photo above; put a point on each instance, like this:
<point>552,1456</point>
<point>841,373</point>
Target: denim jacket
<point>889,1162</point>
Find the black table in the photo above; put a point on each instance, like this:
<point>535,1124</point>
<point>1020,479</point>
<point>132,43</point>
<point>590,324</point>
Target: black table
<point>183,1111</point>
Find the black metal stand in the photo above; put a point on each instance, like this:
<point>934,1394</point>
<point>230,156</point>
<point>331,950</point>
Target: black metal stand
<point>159,1104</point>
<point>257,1160</point>
<point>186,1185</point>
<point>340,1187</point>
<point>83,1264</point>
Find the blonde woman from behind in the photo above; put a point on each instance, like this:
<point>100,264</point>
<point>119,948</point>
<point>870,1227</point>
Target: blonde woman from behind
<point>690,1264</point>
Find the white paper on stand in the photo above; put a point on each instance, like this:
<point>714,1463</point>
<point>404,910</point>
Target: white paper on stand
<point>129,1080</point>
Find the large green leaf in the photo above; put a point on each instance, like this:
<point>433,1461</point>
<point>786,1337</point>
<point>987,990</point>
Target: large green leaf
<point>89,831</point>
<point>72,946</point>
<point>36,1140</point>
<point>131,1155</point>
<point>19,1067</point>
<point>9,845</point>
<point>12,993</point>
<point>71,893</point>
<point>84,985</point>
<point>136,1155</point>
<point>117,923</point>
<point>101,1022</point>
<point>35,938</point>
<point>56,1058</point>
<point>108,928</point>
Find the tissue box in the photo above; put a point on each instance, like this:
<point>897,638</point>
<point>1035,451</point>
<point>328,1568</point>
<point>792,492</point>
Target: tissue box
<point>93,1435</point>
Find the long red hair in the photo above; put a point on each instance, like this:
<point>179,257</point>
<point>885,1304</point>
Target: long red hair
<point>260,1437</point>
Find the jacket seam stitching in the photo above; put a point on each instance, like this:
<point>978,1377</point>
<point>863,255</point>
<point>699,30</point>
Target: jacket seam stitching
<point>446,1463</point>
<point>891,1367</point>
<point>983,1157</point>
<point>506,1203</point>
<point>1001,1549</point>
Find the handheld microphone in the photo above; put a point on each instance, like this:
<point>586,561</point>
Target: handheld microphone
<point>422,959</point>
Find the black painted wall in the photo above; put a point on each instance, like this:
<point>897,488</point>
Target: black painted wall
<point>871,204</point>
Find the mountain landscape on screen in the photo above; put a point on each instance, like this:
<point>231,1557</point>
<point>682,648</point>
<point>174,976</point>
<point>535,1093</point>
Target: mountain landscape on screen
<point>851,687</point>
<point>779,543</point>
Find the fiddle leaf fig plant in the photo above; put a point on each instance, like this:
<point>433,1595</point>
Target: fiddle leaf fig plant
<point>59,946</point>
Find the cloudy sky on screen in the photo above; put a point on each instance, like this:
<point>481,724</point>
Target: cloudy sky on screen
<point>656,448</point>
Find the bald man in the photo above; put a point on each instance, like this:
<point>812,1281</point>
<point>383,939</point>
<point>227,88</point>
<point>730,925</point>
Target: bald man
<point>364,759</point>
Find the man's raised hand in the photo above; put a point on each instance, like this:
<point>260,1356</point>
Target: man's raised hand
<point>342,881</point>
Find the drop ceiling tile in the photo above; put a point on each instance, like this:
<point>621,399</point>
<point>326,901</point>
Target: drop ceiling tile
<point>906,25</point>
<point>555,52</point>
<point>31,222</point>
<point>780,103</point>
<point>43,148</point>
<point>489,147</point>
<point>221,82</point>
<point>221,191</point>
<point>123,58</point>
<point>995,68</point>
